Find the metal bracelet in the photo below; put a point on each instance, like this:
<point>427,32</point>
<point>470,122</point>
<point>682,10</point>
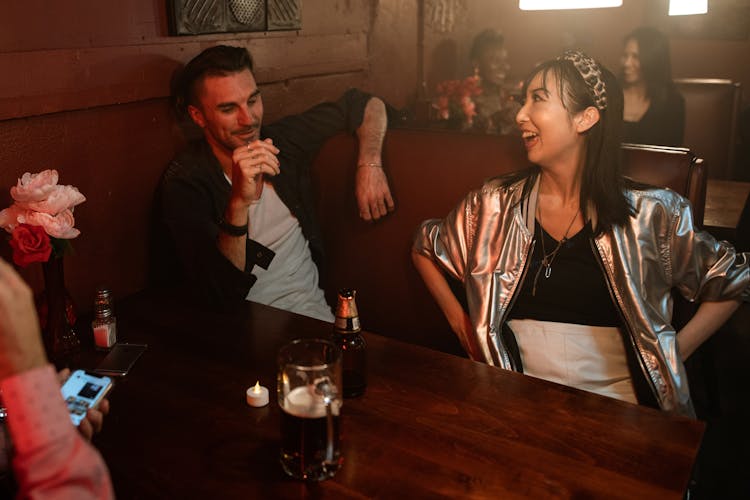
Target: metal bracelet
<point>370,164</point>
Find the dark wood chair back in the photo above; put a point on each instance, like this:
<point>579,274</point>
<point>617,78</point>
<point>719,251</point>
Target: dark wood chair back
<point>675,168</point>
<point>712,108</point>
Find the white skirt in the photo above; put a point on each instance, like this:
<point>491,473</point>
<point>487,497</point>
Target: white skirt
<point>591,358</point>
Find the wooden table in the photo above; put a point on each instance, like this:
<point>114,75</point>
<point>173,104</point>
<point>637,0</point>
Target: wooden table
<point>430,424</point>
<point>724,203</point>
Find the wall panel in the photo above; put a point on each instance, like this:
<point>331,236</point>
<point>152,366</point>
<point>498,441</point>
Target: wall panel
<point>84,86</point>
<point>84,90</point>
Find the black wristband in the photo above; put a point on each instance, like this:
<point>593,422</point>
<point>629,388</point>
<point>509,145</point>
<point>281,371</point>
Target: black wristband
<point>231,229</point>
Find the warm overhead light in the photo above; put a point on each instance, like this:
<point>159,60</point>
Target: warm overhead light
<point>687,7</point>
<point>566,4</point>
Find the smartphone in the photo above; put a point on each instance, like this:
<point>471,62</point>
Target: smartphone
<point>84,390</point>
<point>120,359</point>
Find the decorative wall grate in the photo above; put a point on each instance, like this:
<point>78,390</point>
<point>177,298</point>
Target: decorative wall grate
<point>284,15</point>
<point>195,17</point>
<point>443,15</point>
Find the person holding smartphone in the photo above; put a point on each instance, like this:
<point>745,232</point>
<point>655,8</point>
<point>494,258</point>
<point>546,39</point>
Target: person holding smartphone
<point>50,459</point>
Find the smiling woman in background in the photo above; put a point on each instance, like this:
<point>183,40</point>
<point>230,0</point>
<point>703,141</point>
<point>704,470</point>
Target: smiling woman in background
<point>654,109</point>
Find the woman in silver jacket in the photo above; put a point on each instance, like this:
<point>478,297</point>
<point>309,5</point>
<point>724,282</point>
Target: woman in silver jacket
<point>568,267</point>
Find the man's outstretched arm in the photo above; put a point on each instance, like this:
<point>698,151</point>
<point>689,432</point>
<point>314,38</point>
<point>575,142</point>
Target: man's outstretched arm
<point>373,194</point>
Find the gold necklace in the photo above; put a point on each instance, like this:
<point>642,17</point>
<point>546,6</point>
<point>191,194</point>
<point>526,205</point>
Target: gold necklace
<point>547,259</point>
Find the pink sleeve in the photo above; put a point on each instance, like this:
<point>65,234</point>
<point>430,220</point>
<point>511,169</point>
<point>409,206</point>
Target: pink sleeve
<point>50,458</point>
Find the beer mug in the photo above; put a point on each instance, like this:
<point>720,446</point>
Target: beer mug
<point>309,394</point>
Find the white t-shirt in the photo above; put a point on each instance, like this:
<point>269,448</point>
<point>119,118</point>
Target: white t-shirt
<point>291,280</point>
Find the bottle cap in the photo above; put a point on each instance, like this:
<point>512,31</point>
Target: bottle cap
<point>103,302</point>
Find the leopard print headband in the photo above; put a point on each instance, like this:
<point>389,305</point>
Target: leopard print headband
<point>591,73</point>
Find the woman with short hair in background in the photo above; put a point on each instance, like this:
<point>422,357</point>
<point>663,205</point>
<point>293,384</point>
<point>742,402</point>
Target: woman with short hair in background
<point>496,109</point>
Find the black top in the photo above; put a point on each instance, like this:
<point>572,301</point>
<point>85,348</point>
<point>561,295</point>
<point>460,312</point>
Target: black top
<point>663,124</point>
<point>576,290</point>
<point>193,195</point>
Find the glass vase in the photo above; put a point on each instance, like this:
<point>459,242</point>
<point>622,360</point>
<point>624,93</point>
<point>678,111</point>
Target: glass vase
<point>60,339</point>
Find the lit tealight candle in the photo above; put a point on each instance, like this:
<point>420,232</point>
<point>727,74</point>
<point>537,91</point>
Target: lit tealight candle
<point>257,395</point>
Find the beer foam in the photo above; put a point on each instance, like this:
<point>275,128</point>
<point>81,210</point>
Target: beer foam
<point>304,402</point>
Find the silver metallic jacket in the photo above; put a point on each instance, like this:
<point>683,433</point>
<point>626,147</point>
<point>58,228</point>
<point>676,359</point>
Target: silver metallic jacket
<point>487,240</point>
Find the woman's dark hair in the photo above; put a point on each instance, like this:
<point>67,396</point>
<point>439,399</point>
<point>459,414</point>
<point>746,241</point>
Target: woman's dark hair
<point>602,183</point>
<point>219,60</point>
<point>656,64</point>
<point>484,40</point>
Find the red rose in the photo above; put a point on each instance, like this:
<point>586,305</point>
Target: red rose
<point>30,244</point>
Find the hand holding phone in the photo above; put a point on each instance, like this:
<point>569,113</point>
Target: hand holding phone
<point>84,390</point>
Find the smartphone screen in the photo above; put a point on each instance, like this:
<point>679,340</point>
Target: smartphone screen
<point>84,390</point>
<point>120,359</point>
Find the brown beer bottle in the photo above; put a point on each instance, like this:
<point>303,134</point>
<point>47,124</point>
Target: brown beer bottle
<point>346,335</point>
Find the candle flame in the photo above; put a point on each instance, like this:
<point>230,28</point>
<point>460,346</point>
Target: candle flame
<point>256,388</point>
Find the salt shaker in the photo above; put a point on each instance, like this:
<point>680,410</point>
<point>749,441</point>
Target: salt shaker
<point>105,323</point>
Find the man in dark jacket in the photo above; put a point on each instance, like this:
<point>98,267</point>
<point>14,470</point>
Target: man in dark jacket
<point>237,206</point>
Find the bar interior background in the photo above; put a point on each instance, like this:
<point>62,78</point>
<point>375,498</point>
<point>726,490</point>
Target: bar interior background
<point>85,88</point>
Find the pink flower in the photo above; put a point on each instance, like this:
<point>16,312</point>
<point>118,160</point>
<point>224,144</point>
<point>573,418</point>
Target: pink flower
<point>469,109</point>
<point>9,217</point>
<point>443,106</point>
<point>57,226</point>
<point>59,199</point>
<point>456,97</point>
<point>34,187</point>
<point>471,86</point>
<point>40,201</point>
<point>41,216</point>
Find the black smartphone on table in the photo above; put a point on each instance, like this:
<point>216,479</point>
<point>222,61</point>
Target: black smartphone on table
<point>120,359</point>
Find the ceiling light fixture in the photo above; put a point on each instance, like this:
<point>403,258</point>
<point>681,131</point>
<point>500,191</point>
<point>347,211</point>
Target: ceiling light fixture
<point>687,7</point>
<point>566,4</point>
